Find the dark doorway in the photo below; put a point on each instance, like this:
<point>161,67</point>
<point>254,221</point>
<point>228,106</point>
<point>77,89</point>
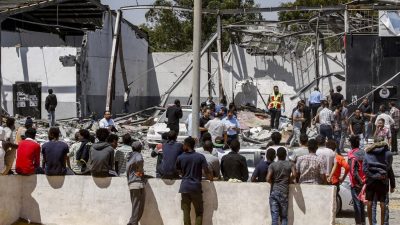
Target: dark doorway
<point>27,98</point>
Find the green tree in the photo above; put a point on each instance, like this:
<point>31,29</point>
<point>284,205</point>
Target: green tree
<point>173,30</point>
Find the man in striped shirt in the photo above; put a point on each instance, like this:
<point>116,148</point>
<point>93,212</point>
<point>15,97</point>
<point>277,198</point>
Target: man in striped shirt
<point>310,169</point>
<point>121,155</point>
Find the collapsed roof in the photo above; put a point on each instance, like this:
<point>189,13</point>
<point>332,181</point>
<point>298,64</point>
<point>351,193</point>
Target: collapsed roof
<point>63,17</point>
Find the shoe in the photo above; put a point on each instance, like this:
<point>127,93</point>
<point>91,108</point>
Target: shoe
<point>395,153</point>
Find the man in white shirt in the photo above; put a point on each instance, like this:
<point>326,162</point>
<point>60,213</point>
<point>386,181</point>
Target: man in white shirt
<point>325,118</point>
<point>327,154</point>
<point>383,115</point>
<point>107,122</point>
<point>217,127</point>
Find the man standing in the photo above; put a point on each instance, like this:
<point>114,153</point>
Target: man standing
<point>337,97</point>
<point>337,125</point>
<point>280,175</point>
<point>325,118</point>
<point>191,165</point>
<point>233,126</point>
<point>326,154</point>
<point>50,106</point>
<point>121,155</point>
<point>276,106</point>
<point>301,150</point>
<point>101,161</point>
<point>261,170</point>
<point>376,165</point>
<point>212,161</point>
<point>217,128</point>
<point>357,178</point>
<point>395,114</point>
<point>204,120</point>
<point>383,115</point>
<point>345,125</point>
<point>107,122</point>
<point>357,127</point>
<point>28,154</point>
<point>135,175</point>
<point>233,165</point>
<point>55,155</point>
<point>315,101</point>
<point>298,119</point>
<point>367,115</point>
<point>310,168</point>
<point>174,113</point>
<point>171,150</point>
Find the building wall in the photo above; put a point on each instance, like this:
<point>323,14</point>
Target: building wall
<point>24,38</point>
<point>96,67</point>
<point>40,64</point>
<point>71,200</point>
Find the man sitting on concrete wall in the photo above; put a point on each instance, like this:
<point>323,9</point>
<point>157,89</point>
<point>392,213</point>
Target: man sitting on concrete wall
<point>101,160</point>
<point>28,155</point>
<point>55,155</point>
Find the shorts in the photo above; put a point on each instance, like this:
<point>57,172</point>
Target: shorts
<point>376,190</point>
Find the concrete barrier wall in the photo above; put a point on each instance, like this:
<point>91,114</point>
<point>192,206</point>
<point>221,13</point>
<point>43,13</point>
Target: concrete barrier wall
<point>74,200</point>
<point>10,199</point>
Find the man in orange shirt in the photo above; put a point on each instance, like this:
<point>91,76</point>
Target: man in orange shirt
<point>340,162</point>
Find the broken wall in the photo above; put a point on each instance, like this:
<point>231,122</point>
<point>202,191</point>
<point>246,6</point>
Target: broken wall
<point>40,64</point>
<point>266,71</point>
<point>94,76</point>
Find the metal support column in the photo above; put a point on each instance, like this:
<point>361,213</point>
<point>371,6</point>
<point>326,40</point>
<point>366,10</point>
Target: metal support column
<point>316,52</point>
<point>113,61</point>
<point>196,68</point>
<point>220,59</point>
<point>1,75</point>
<point>209,72</point>
<point>346,21</point>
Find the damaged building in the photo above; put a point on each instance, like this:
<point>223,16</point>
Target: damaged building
<point>66,46</point>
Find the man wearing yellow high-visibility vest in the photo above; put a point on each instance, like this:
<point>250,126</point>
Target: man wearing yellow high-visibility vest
<point>276,106</point>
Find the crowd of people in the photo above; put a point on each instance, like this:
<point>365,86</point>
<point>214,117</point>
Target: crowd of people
<point>215,155</point>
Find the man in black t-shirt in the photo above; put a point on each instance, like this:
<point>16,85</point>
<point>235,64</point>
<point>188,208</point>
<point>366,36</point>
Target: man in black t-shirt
<point>191,164</point>
<point>337,97</point>
<point>203,121</point>
<point>55,155</point>
<point>174,113</point>
<point>357,126</point>
<point>366,113</point>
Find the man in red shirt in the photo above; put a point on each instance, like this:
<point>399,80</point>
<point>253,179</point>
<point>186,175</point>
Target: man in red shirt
<point>28,155</point>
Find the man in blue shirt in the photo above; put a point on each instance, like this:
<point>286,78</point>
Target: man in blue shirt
<point>261,171</point>
<point>171,150</point>
<point>191,165</point>
<point>233,126</point>
<point>315,101</point>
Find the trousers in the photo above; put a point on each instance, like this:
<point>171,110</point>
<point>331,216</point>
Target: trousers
<point>137,200</point>
<point>197,200</point>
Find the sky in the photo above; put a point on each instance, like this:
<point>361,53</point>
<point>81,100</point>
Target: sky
<point>137,16</point>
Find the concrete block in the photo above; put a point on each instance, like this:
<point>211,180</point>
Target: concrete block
<point>77,200</point>
<point>10,199</point>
